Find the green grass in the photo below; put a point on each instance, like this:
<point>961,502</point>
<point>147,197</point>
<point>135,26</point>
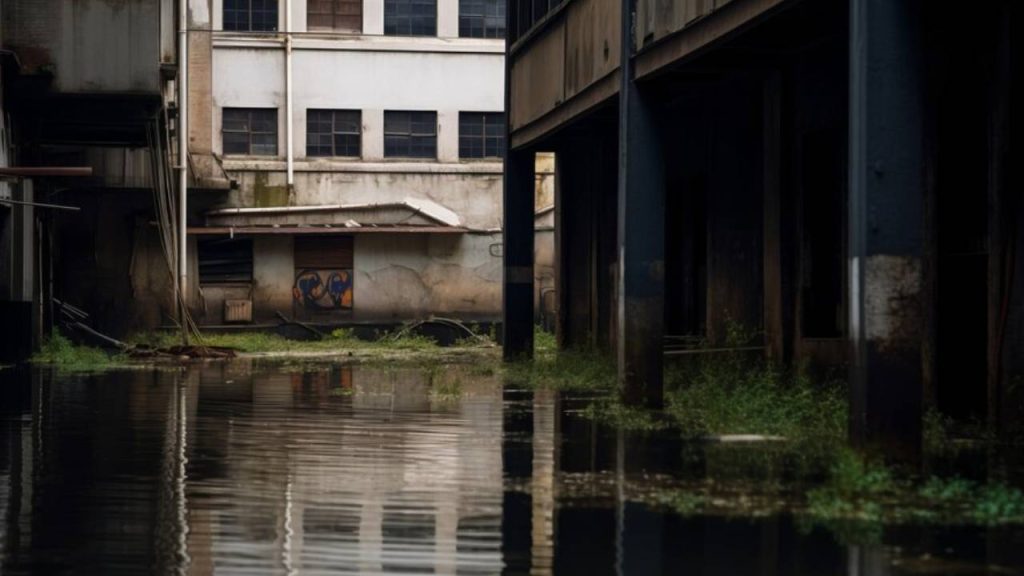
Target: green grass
<point>860,496</point>
<point>341,339</point>
<point>61,353</point>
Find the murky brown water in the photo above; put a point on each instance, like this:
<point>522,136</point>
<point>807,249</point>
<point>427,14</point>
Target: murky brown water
<point>243,469</point>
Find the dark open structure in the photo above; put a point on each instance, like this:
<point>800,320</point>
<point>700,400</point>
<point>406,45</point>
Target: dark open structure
<point>842,177</point>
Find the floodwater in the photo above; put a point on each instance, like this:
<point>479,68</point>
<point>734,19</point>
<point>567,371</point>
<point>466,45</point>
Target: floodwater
<point>243,468</point>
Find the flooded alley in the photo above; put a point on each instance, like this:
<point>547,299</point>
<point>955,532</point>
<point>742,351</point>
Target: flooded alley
<point>252,467</point>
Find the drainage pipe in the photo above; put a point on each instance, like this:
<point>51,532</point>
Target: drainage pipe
<point>183,167</point>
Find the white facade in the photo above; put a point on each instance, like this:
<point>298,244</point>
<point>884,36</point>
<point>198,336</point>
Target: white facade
<point>397,276</point>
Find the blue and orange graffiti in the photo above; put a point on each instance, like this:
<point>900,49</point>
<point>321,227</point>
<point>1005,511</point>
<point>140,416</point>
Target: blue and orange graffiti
<point>311,291</point>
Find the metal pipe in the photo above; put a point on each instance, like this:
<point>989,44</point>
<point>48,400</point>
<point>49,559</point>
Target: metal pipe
<point>182,291</point>
<point>40,205</point>
<point>288,121</point>
<point>31,171</point>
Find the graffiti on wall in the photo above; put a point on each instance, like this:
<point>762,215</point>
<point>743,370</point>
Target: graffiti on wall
<point>323,289</point>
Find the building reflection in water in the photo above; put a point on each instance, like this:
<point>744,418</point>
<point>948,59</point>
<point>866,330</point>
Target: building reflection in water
<point>248,468</point>
<point>227,468</point>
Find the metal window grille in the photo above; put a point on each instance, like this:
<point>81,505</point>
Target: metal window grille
<point>482,18</point>
<point>250,131</point>
<point>250,15</point>
<point>410,134</point>
<point>410,17</point>
<point>333,132</point>
<point>481,134</point>
<point>337,15</point>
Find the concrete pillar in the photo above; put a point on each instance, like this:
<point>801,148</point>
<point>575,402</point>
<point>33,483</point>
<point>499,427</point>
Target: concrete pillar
<point>886,226</point>
<point>641,235</point>
<point>517,319</point>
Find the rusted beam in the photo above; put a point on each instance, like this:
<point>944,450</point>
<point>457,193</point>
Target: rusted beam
<point>302,230</point>
<point>40,205</point>
<point>586,101</point>
<point>38,171</point>
<point>724,22</point>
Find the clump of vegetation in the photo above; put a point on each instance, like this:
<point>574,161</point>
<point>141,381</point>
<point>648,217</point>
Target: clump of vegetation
<point>857,489</point>
<point>445,391</point>
<point>573,370</point>
<point>736,393</point>
<point>613,412</point>
<point>267,342</point>
<point>682,502</point>
<point>66,356</point>
<point>860,496</point>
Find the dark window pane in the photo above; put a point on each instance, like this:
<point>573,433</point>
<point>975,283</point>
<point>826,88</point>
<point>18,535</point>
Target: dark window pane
<point>249,131</point>
<point>333,132</point>
<point>250,15</point>
<point>410,17</point>
<point>481,134</point>
<point>410,134</point>
<point>236,143</point>
<point>224,261</point>
<point>482,18</point>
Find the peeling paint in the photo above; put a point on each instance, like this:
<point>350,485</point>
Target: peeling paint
<point>892,306</point>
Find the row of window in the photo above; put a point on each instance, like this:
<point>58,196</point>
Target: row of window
<point>477,18</point>
<point>253,131</point>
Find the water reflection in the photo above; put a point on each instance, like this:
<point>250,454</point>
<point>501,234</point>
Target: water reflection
<point>242,468</point>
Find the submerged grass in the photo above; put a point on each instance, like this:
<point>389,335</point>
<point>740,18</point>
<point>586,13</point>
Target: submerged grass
<point>64,355</point>
<point>265,342</point>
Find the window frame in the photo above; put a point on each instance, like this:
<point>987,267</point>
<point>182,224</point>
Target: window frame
<point>334,16</point>
<point>203,247</point>
<point>392,20</point>
<point>467,18</point>
<point>487,119</point>
<point>248,12</point>
<point>335,132</point>
<point>250,132</point>
<point>411,134</point>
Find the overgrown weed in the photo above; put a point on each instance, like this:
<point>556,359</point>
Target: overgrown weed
<point>67,356</point>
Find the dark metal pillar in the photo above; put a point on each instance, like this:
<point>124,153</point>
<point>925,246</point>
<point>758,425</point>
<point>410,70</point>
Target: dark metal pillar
<point>641,234</point>
<point>886,225</point>
<point>518,236</point>
<point>517,319</point>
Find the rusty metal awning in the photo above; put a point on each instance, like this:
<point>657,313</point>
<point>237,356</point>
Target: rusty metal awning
<point>322,230</point>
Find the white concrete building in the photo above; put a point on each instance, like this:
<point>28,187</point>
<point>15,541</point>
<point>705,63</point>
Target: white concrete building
<point>345,159</point>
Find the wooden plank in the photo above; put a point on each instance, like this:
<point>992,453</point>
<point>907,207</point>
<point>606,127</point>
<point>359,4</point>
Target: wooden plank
<point>323,252</point>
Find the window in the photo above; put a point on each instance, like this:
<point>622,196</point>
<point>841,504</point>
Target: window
<point>481,134</point>
<point>482,18</point>
<point>333,132</point>
<point>225,261</point>
<point>340,15</point>
<point>250,15</point>
<point>410,134</point>
<point>251,131</point>
<point>410,17</point>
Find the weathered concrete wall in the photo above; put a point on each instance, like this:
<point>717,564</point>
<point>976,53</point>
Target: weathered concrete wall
<point>474,196</point>
<point>398,277</point>
<point>90,46</point>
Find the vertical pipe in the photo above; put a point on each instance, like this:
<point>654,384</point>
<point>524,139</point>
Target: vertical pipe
<point>183,166</point>
<point>288,122</point>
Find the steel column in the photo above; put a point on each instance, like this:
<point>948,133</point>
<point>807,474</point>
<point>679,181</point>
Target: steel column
<point>517,309</point>
<point>641,234</point>
<point>886,225</point>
